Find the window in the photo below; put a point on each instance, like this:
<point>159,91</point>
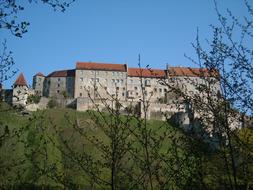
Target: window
<point>113,73</point>
<point>59,79</point>
<point>113,80</point>
<point>81,79</point>
<point>165,90</point>
<point>136,93</point>
<point>117,88</point>
<point>58,85</point>
<point>58,91</point>
<point>123,94</point>
<point>117,80</point>
<point>147,82</point>
<point>124,88</point>
<point>80,94</point>
<point>135,88</point>
<point>97,79</point>
<point>160,90</point>
<point>131,80</point>
<point>155,89</point>
<point>121,80</point>
<point>105,87</point>
<point>81,72</point>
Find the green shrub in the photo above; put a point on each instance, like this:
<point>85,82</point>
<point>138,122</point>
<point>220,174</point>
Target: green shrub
<point>52,103</point>
<point>33,99</point>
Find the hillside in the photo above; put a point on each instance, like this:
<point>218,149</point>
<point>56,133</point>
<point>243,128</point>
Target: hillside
<point>63,148</point>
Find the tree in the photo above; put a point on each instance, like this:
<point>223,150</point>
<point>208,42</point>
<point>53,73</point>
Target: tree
<point>221,110</point>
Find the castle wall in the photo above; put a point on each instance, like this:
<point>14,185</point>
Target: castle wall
<point>100,84</point>
<point>38,82</point>
<point>153,88</point>
<point>59,86</point>
<point>193,85</point>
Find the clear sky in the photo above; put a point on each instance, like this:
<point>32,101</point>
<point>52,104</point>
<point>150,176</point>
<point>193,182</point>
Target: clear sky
<point>112,31</point>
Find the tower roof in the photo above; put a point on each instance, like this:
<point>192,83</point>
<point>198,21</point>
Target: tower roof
<point>39,74</point>
<point>21,80</point>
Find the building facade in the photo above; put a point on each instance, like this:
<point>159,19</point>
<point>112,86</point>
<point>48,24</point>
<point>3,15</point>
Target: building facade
<point>148,83</point>
<point>38,83</point>
<point>101,81</point>
<point>59,84</point>
<point>110,81</point>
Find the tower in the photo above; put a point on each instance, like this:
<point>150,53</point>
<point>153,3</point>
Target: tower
<point>20,91</point>
<point>38,83</point>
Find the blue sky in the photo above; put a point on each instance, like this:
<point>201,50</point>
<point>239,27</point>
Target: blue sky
<point>112,31</point>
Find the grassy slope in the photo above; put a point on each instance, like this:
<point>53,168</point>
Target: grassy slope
<point>42,135</point>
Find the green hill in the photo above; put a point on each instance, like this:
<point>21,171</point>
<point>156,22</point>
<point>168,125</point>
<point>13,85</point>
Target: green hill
<point>63,148</point>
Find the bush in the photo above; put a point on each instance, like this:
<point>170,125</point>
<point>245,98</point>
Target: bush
<point>33,99</point>
<point>52,103</point>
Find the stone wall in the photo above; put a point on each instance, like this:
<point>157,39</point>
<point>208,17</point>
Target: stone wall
<point>59,86</point>
<point>100,83</point>
<point>153,88</point>
<point>38,82</point>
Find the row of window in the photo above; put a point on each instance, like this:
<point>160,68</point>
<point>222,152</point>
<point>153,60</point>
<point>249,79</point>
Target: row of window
<point>160,90</point>
<point>145,92</point>
<point>88,87</point>
<point>106,80</point>
<point>113,73</point>
<point>146,82</point>
<point>96,94</point>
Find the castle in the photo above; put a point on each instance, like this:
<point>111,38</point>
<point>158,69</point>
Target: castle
<point>106,81</point>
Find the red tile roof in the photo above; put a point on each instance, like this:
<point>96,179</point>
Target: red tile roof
<point>150,73</point>
<point>192,72</point>
<point>39,74</point>
<point>21,80</point>
<point>62,73</point>
<point>101,66</point>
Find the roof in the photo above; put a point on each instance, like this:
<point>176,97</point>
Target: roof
<point>39,74</point>
<point>62,73</point>
<point>151,73</point>
<point>21,80</point>
<point>101,66</point>
<point>192,72</point>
